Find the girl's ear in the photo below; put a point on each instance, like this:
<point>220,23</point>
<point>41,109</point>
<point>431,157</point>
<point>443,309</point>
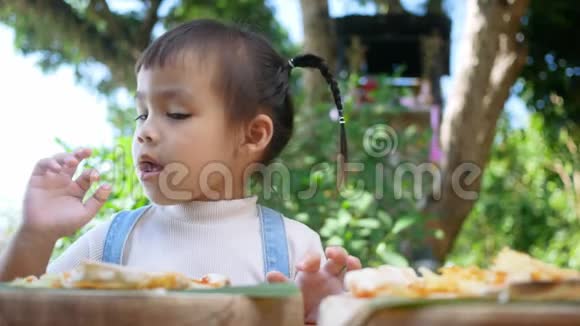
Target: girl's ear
<point>258,135</point>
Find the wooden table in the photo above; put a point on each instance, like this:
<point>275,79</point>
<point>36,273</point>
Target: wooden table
<point>346,310</point>
<point>275,304</point>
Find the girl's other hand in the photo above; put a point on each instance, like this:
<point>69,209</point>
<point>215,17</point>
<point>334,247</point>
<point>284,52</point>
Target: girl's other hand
<point>317,282</point>
<point>53,203</point>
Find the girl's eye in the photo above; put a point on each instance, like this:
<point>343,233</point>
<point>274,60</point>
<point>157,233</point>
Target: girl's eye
<point>141,117</point>
<point>178,116</point>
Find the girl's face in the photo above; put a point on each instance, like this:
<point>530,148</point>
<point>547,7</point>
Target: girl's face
<point>184,148</point>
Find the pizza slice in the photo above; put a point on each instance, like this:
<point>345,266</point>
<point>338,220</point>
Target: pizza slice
<point>532,279</point>
<point>522,268</point>
<point>452,282</point>
<point>210,281</point>
<point>512,272</point>
<point>98,275</point>
<point>45,281</point>
<point>383,280</point>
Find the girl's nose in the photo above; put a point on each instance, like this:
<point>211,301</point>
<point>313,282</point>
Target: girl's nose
<point>147,135</point>
<point>145,139</point>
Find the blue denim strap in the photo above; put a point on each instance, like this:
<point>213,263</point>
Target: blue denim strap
<point>118,233</point>
<point>274,243</point>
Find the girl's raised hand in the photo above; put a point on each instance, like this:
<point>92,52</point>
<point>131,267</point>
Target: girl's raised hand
<point>53,203</point>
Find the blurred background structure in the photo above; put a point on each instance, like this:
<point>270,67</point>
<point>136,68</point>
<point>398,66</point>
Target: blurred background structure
<point>446,88</point>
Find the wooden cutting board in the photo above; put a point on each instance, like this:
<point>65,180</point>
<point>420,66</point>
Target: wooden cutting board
<point>275,304</point>
<point>346,310</point>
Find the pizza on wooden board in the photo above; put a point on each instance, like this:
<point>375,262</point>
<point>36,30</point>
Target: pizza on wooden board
<point>98,275</point>
<point>513,273</point>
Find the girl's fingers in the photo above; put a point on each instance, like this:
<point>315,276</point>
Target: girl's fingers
<point>60,162</point>
<point>45,165</point>
<point>337,259</point>
<point>70,161</point>
<point>310,264</point>
<point>86,179</point>
<point>82,153</point>
<point>65,157</point>
<point>353,263</point>
<point>97,200</point>
<point>276,277</point>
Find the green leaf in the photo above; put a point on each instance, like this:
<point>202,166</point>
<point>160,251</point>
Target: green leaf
<point>402,224</point>
<point>335,241</point>
<point>344,217</point>
<point>385,218</point>
<point>368,223</point>
<point>390,257</point>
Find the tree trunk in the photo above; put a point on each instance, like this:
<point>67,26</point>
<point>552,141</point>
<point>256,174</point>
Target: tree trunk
<point>491,60</point>
<point>319,39</point>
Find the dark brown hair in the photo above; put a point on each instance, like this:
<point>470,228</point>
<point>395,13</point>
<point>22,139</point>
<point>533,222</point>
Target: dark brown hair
<point>249,73</point>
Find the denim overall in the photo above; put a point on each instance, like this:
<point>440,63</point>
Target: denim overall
<point>274,245</point>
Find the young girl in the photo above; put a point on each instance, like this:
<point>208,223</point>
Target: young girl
<point>212,103</point>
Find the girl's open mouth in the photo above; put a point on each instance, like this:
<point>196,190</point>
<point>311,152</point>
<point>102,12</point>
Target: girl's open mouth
<point>148,170</point>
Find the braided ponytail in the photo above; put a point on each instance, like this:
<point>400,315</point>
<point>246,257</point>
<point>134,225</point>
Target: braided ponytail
<point>313,61</point>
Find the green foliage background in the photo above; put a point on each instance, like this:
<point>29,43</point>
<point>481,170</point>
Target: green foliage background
<point>525,203</point>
